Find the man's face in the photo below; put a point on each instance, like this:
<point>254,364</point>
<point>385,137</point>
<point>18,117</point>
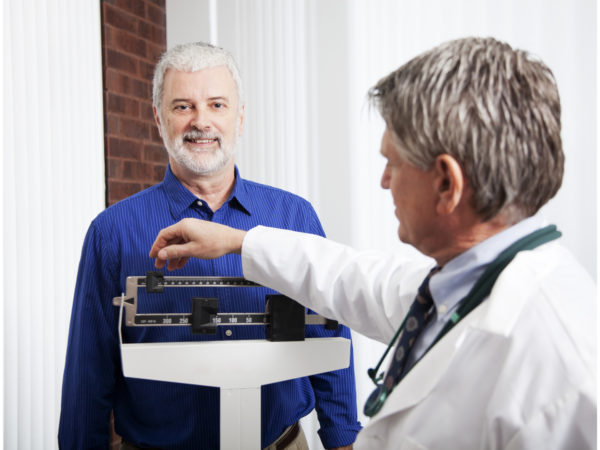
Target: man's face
<point>413,193</point>
<point>199,120</point>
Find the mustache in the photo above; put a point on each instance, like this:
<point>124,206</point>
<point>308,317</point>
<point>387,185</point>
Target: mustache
<point>198,134</point>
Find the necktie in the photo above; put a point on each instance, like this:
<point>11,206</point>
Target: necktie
<point>418,315</point>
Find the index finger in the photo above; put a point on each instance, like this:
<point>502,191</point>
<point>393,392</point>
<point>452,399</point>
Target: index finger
<point>164,237</point>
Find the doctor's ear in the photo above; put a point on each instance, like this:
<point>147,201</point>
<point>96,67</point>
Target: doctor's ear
<point>449,183</point>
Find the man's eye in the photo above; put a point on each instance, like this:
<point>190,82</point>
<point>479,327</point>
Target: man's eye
<point>181,107</point>
<point>218,105</point>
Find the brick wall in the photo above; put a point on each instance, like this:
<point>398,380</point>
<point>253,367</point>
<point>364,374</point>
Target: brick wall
<point>133,37</point>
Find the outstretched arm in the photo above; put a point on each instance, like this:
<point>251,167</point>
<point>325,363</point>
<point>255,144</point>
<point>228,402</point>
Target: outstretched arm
<point>194,238</point>
<point>332,279</point>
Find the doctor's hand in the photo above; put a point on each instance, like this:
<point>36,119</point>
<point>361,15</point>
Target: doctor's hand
<point>194,238</point>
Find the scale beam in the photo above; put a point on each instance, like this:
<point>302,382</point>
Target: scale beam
<point>284,318</point>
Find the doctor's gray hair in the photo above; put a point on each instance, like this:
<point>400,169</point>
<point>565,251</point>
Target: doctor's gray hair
<point>192,57</point>
<point>494,109</point>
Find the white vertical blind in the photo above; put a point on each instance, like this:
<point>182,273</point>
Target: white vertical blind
<point>53,185</point>
<point>270,45</point>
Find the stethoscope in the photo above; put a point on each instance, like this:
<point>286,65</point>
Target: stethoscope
<point>479,292</point>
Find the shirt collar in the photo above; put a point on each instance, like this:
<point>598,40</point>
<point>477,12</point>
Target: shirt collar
<point>240,194</point>
<point>180,198</point>
<point>454,281</point>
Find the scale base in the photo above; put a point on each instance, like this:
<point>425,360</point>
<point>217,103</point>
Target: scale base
<point>239,368</point>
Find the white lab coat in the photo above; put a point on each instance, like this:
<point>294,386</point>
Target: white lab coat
<point>519,372</point>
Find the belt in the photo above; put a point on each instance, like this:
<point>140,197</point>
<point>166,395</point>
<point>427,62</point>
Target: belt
<point>288,437</point>
<point>284,440</point>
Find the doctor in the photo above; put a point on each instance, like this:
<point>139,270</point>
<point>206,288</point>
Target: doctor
<point>493,329</point>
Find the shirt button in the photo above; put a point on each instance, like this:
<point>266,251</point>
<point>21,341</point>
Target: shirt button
<point>199,203</point>
<point>443,309</point>
<point>228,333</point>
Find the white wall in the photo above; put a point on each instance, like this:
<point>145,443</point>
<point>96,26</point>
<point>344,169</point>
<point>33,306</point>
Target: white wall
<point>307,65</point>
<point>53,185</point>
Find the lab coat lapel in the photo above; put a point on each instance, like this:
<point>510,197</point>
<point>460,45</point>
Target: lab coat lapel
<point>425,375</point>
<point>495,316</point>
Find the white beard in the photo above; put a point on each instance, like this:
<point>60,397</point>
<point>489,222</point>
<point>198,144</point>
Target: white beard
<point>200,162</point>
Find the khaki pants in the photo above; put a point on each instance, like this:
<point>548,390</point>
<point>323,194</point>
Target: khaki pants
<point>299,443</point>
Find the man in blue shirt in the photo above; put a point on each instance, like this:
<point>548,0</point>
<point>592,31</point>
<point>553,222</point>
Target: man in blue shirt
<point>198,107</point>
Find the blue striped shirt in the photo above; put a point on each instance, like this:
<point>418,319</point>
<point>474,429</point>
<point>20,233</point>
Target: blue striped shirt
<point>172,415</point>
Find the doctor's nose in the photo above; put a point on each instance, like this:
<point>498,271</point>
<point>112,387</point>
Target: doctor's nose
<point>385,179</point>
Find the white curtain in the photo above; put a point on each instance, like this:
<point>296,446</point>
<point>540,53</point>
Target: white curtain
<point>53,185</point>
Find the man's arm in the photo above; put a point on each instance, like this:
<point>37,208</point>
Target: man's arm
<point>92,352</point>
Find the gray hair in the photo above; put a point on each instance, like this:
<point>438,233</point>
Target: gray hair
<point>192,57</point>
<point>494,109</point>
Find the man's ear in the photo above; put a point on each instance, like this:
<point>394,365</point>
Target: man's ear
<point>241,128</point>
<point>449,184</point>
<point>157,120</point>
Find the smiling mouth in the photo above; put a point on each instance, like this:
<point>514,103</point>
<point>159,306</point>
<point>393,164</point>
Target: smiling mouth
<point>201,141</point>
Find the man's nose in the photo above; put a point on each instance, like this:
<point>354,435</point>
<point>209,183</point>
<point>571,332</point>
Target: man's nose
<point>200,120</point>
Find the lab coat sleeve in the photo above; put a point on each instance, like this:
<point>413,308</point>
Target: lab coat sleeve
<point>368,291</point>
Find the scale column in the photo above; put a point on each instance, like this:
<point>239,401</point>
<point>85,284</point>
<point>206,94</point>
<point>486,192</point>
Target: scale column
<point>240,418</point>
